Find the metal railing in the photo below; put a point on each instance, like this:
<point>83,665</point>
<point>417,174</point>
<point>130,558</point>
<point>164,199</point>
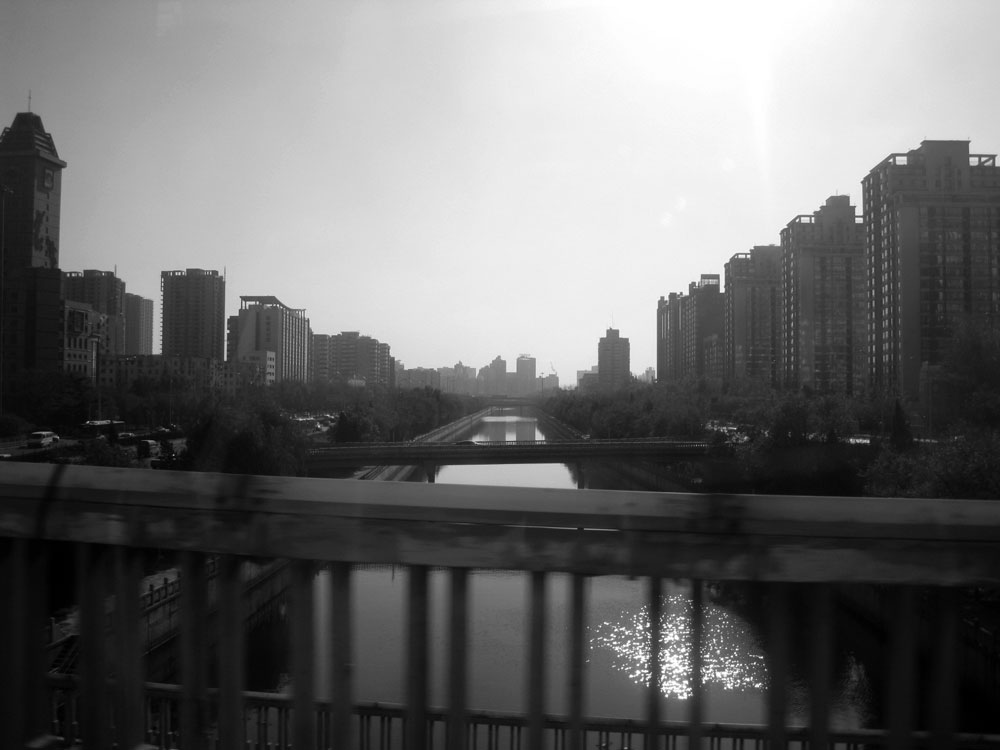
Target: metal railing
<point>796,548</point>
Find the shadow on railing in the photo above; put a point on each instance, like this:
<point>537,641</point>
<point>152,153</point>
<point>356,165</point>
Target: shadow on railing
<point>921,552</point>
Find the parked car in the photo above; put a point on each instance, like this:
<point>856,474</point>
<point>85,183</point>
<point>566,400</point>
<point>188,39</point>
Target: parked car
<point>42,439</point>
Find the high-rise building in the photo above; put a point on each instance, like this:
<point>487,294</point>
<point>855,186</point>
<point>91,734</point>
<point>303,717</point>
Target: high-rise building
<point>824,326</point>
<point>358,358</point>
<point>319,357</point>
<point>932,253</point>
<point>138,324</point>
<point>524,375</point>
<point>668,338</point>
<point>265,324</point>
<point>193,314</point>
<point>104,292</point>
<point>700,324</point>
<point>752,325</point>
<point>31,313</point>
<point>613,364</point>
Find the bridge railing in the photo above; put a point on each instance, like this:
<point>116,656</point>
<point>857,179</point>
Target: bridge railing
<point>798,548</point>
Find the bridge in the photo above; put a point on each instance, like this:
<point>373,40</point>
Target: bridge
<point>500,452</point>
<point>918,553</point>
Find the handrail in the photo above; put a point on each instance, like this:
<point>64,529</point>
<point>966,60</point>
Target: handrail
<point>111,514</point>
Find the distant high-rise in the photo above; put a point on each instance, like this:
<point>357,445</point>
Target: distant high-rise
<point>932,255</point>
<point>265,324</point>
<point>525,375</point>
<point>104,292</point>
<point>353,357</point>
<point>824,328</point>
<point>193,311</point>
<point>613,361</point>
<point>700,328</point>
<point>31,313</point>
<point>752,331</point>
<point>138,324</point>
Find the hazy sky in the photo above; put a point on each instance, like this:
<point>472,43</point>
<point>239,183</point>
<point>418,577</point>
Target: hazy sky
<point>470,178</point>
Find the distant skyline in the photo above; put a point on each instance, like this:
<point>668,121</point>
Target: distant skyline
<point>463,179</point>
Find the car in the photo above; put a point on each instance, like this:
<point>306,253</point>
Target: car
<point>42,439</point>
<point>126,438</point>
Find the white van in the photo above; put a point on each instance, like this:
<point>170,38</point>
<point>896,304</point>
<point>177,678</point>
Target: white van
<point>42,439</point>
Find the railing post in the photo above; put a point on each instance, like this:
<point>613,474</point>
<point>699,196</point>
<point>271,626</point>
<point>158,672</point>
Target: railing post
<point>821,627</point>
<point>416,660</point>
<point>457,660</point>
<point>902,668</point>
<point>577,659</point>
<point>944,679</point>
<point>303,654</point>
<point>653,697</point>
<point>778,636</point>
<point>342,735</point>
<point>92,594</point>
<point>697,631</point>
<point>230,653</point>
<point>194,651</point>
<point>130,658</point>
<point>536,661</point>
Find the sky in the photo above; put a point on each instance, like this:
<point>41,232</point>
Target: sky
<point>467,179</point>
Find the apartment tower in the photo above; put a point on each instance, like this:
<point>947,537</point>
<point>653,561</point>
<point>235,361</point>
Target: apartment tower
<point>613,361</point>
<point>193,310</point>
<point>752,324</point>
<point>932,253</point>
<point>265,324</point>
<point>824,325</point>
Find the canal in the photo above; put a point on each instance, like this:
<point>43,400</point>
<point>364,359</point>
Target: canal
<point>617,630</point>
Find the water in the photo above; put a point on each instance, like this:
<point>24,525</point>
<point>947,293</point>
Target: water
<point>616,627</point>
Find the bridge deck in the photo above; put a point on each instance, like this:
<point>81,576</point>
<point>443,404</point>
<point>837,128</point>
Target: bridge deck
<point>503,452</point>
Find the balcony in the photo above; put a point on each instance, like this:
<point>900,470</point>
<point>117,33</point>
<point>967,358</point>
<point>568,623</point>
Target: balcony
<point>798,551</point>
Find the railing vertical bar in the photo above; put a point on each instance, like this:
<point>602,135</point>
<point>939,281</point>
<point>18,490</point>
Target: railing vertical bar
<point>229,586</point>
<point>536,661</point>
<point>416,660</point>
<point>655,603</point>
<point>779,633</point>
<point>130,652</point>
<point>13,590</point>
<point>944,678</point>
<point>697,631</point>
<point>902,675</point>
<point>341,650</point>
<point>92,595</point>
<point>577,659</point>
<point>194,651</point>
<point>303,655</point>
<point>35,615</point>
<point>457,660</point>
<point>821,627</point>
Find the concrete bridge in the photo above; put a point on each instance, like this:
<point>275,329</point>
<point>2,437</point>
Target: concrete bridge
<point>432,454</point>
<point>796,550</point>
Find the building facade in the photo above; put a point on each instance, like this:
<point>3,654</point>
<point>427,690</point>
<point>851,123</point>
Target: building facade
<point>613,361</point>
<point>824,323</point>
<point>752,322</point>
<point>265,324</point>
<point>105,292</point>
<point>700,321</point>
<point>138,325</point>
<point>932,253</point>
<point>31,313</point>
<point>193,314</point>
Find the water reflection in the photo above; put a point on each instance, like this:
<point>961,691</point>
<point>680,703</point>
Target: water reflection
<point>730,655</point>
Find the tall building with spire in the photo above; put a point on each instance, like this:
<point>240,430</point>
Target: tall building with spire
<point>31,321</point>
